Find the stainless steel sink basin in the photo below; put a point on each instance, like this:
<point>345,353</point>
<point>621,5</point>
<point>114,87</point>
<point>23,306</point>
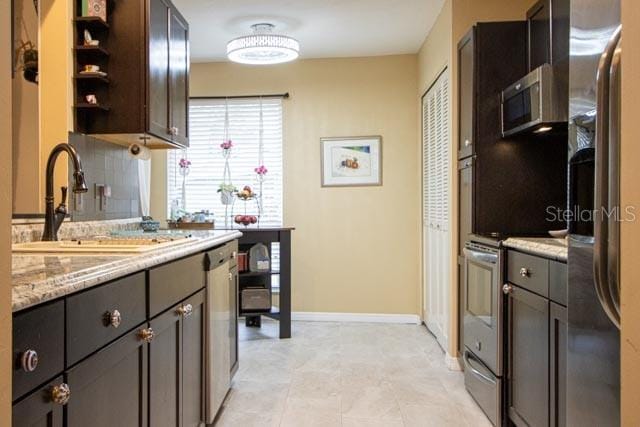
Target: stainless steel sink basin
<point>101,245</point>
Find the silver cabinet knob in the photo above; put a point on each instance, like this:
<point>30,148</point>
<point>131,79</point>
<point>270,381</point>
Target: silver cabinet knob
<point>507,289</point>
<point>185,310</point>
<point>478,345</point>
<point>230,276</point>
<point>234,255</point>
<point>61,394</point>
<point>29,361</point>
<point>115,318</point>
<point>146,334</point>
<point>173,131</point>
<point>524,272</point>
<point>467,143</point>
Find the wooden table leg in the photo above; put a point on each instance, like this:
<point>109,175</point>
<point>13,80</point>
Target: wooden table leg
<point>285,284</point>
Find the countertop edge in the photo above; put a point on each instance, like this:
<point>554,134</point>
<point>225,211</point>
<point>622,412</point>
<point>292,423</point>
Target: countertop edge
<point>32,294</point>
<point>538,249</point>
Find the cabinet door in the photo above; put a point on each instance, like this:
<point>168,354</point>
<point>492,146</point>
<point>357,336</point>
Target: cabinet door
<point>539,34</point>
<point>158,82</point>
<point>110,388</point>
<point>558,367</point>
<point>233,314</point>
<point>193,361</point>
<point>179,78</point>
<point>466,95</point>
<point>165,374</point>
<point>37,409</point>
<point>528,382</point>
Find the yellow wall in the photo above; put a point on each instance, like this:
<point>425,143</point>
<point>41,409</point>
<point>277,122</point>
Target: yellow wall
<point>440,49</point>
<point>630,231</point>
<point>355,249</point>
<point>5,215</point>
<point>26,143</point>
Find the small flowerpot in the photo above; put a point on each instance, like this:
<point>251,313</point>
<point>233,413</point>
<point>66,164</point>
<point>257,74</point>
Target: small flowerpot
<point>226,197</point>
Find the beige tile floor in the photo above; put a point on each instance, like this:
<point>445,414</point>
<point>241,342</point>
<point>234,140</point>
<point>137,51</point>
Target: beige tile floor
<point>346,374</point>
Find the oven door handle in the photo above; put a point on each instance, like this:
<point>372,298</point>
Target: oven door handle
<point>481,256</point>
<point>475,371</point>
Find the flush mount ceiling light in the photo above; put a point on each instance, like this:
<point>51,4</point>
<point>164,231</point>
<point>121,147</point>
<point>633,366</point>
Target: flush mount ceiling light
<point>263,47</point>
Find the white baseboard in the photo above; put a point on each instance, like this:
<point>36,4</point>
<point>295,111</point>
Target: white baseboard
<point>452,363</point>
<point>316,316</point>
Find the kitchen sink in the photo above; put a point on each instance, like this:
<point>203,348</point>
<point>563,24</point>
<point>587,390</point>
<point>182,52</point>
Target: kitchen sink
<point>102,244</point>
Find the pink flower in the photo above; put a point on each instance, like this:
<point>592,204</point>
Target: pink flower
<point>184,163</point>
<point>226,145</point>
<point>261,170</point>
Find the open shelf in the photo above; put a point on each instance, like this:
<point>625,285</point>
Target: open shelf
<point>92,22</point>
<point>86,105</point>
<point>96,50</point>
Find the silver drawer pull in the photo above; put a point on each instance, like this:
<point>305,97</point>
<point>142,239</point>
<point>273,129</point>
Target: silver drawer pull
<point>524,272</point>
<point>115,318</point>
<point>507,289</point>
<point>61,394</point>
<point>29,361</point>
<point>185,310</point>
<point>146,334</point>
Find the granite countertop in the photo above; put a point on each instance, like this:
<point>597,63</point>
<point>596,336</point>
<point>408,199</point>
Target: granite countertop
<point>38,277</point>
<point>547,247</point>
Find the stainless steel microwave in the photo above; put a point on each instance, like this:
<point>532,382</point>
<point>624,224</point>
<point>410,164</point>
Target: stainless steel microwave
<point>534,103</point>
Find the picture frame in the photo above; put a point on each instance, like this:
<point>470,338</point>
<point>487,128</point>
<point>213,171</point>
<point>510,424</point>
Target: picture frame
<point>354,161</point>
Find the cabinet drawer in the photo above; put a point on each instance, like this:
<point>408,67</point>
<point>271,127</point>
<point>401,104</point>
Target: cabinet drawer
<point>558,282</point>
<point>174,282</point>
<point>226,252</point>
<point>529,272</point>
<point>39,332</point>
<point>100,315</point>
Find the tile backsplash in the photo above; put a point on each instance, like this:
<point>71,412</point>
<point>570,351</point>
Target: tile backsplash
<point>109,165</point>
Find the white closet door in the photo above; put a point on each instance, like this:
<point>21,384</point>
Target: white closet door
<point>435,202</point>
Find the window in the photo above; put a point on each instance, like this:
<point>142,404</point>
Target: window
<point>207,130</point>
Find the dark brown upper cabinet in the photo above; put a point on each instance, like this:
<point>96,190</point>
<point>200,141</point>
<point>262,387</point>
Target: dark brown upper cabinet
<point>491,56</point>
<point>144,96</point>
<point>548,33</point>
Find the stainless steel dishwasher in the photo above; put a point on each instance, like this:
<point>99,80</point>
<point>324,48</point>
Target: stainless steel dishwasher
<point>218,330</point>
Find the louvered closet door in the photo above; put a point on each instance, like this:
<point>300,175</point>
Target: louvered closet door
<point>435,201</point>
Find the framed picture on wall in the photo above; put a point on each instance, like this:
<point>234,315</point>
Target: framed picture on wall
<point>351,161</point>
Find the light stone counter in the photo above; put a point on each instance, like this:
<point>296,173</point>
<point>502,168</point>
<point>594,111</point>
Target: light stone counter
<point>37,278</point>
<point>547,247</point>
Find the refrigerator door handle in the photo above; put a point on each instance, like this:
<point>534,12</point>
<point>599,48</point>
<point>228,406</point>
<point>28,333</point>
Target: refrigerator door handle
<point>602,205</point>
<point>613,250</point>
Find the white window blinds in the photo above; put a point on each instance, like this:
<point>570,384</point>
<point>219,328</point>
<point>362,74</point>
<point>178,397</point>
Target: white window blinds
<point>435,154</point>
<point>206,133</point>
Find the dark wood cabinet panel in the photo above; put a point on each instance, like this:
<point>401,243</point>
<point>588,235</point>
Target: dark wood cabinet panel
<point>39,331</point>
<point>558,367</point>
<point>529,272</point>
<point>110,388</point>
<point>539,34</point>
<point>37,409</point>
<point>100,315</point>
<point>193,329</point>
<point>179,77</point>
<point>172,282</point>
<point>558,282</point>
<point>528,353</point>
<point>165,375</point>
<point>158,84</point>
<point>466,95</point>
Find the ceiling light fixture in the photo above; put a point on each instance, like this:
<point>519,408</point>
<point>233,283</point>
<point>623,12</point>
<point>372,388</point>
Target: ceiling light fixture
<point>263,47</point>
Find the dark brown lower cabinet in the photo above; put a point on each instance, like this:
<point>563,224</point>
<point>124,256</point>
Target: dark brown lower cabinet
<point>110,388</point>
<point>37,409</point>
<point>233,310</point>
<point>528,372</point>
<point>558,353</point>
<point>176,365</point>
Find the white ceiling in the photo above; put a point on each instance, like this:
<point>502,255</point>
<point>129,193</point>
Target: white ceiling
<point>325,28</point>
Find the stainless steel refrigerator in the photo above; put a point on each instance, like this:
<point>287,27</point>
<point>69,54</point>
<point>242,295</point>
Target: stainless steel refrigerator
<point>593,353</point>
